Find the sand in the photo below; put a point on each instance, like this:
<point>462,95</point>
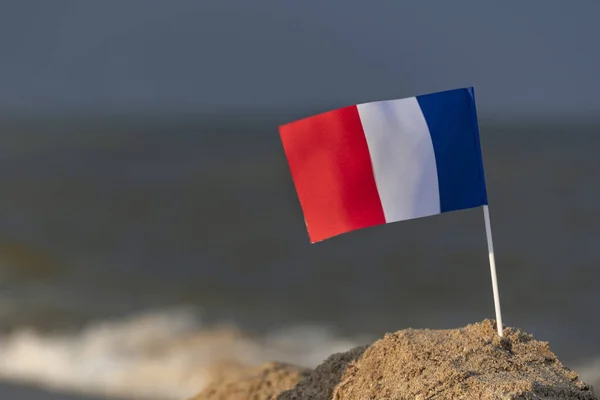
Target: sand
<point>467,363</point>
<point>264,382</point>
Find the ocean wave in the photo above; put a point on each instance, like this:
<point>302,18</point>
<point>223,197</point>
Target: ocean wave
<point>160,355</point>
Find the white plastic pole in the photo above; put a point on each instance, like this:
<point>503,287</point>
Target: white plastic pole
<point>488,231</point>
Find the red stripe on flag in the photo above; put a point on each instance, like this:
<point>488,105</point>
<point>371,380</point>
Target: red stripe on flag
<point>331,167</point>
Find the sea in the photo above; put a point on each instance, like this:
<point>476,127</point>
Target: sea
<point>140,254</point>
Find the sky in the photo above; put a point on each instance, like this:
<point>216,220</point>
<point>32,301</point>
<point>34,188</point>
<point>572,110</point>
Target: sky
<point>524,58</point>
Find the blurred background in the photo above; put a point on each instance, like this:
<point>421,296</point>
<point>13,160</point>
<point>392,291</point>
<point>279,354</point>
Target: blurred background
<point>149,228</point>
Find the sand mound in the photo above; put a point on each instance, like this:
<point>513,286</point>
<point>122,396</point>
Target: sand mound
<point>467,363</point>
<point>263,382</point>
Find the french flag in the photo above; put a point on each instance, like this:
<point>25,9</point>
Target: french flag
<point>386,161</point>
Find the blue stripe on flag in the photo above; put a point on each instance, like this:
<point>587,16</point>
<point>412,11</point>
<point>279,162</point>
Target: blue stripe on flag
<point>452,120</point>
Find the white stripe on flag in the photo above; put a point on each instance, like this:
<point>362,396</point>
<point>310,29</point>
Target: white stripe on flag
<point>403,158</point>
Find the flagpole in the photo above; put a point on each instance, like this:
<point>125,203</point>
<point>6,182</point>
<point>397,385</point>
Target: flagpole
<point>488,231</point>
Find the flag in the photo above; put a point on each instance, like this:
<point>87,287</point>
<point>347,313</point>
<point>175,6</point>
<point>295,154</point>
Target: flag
<point>386,161</point>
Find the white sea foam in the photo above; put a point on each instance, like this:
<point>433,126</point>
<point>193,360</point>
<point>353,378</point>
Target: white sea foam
<point>161,355</point>
<point>589,372</point>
